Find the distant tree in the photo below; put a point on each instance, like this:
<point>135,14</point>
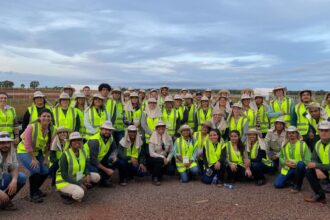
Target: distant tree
<point>7,84</point>
<point>22,86</point>
<point>34,84</point>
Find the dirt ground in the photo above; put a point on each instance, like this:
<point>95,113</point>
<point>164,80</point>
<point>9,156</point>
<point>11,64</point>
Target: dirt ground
<point>174,200</point>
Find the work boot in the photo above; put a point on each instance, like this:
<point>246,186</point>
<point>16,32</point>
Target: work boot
<point>260,182</point>
<point>9,206</point>
<point>316,198</point>
<point>34,181</point>
<point>156,182</point>
<point>327,188</point>
<point>106,183</point>
<point>295,189</point>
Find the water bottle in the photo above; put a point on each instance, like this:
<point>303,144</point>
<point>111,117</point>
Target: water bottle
<point>229,186</point>
<point>215,180</point>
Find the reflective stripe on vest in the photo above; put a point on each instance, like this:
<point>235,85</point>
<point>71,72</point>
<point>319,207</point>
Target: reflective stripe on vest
<point>264,121</point>
<point>233,157</point>
<point>66,120</point>
<point>170,120</point>
<point>239,126</point>
<point>184,150</point>
<point>302,121</point>
<point>323,152</point>
<point>285,108</point>
<point>151,123</point>
<point>7,120</point>
<point>254,155</point>
<point>213,153</point>
<point>251,115</point>
<point>202,117</point>
<point>75,166</point>
<point>298,155</point>
<point>96,118</point>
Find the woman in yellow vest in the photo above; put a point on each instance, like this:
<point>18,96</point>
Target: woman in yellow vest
<point>133,111</point>
<point>238,121</point>
<point>65,115</point>
<point>59,144</point>
<point>260,163</point>
<point>281,105</point>
<point>171,116</point>
<point>293,158</point>
<point>214,159</point>
<point>73,177</point>
<point>131,155</point>
<point>8,121</point>
<point>219,122</point>
<point>95,115</point>
<point>238,168</point>
<point>33,152</point>
<point>80,105</point>
<point>319,168</point>
<point>185,154</point>
<point>204,113</point>
<point>150,117</point>
<point>32,113</point>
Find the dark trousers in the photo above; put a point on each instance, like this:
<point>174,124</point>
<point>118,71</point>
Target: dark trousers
<point>314,182</point>
<point>239,175</point>
<point>128,170</point>
<point>296,174</point>
<point>208,178</point>
<point>259,169</point>
<point>118,135</point>
<point>158,169</point>
<point>52,171</point>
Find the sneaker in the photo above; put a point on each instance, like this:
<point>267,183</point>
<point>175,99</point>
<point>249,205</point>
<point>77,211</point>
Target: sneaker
<point>156,182</point>
<point>260,182</point>
<point>67,200</point>
<point>295,190</point>
<point>35,198</point>
<point>9,206</point>
<point>316,198</point>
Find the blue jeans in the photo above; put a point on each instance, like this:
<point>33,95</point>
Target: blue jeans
<point>297,174</point>
<point>185,176</point>
<point>26,160</point>
<point>127,169</point>
<point>6,179</point>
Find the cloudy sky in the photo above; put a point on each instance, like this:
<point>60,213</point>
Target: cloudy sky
<point>214,43</point>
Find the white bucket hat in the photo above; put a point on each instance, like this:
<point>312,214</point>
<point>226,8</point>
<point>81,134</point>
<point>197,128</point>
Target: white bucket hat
<point>324,125</point>
<point>107,125</point>
<point>38,94</point>
<point>75,136</point>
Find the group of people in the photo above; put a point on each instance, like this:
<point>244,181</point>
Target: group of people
<point>83,139</point>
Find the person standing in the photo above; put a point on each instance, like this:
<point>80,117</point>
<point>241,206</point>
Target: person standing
<point>8,120</point>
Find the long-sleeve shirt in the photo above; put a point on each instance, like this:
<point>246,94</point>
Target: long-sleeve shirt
<point>64,167</point>
<point>122,154</point>
<point>94,148</point>
<point>155,150</point>
<point>306,157</point>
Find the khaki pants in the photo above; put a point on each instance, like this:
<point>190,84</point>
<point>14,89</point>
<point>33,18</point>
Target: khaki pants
<point>76,191</point>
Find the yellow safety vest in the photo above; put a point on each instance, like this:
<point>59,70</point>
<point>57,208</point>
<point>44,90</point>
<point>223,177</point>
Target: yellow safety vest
<point>170,120</point>
<point>96,119</point>
<point>7,120</point>
<point>213,153</point>
<point>184,149</point>
<point>264,121</point>
<point>285,108</point>
<point>191,116</point>
<point>151,123</point>
<point>67,120</point>
<point>233,156</point>
<point>323,152</point>
<point>299,152</point>
<point>239,125</point>
<point>202,117</point>
<point>254,154</point>
<point>132,152</point>
<point>199,141</point>
<point>327,109</point>
<point>302,121</point>
<point>116,111</point>
<point>131,116</point>
<point>39,141</point>
<point>60,152</point>
<point>180,111</point>
<point>82,129</point>
<point>251,116</point>
<point>103,147</point>
<point>75,166</point>
<point>34,112</point>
